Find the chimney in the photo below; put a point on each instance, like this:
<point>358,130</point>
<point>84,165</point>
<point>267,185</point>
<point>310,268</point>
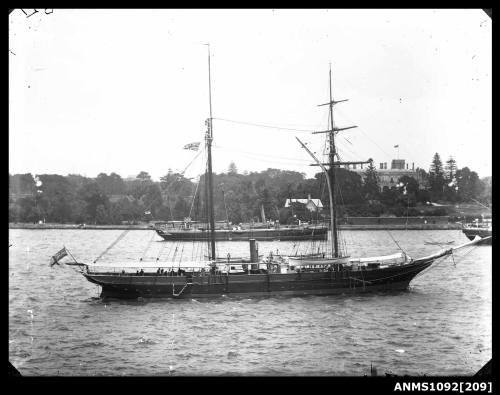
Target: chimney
<point>407,166</point>
<point>308,197</point>
<point>254,253</point>
<point>413,165</point>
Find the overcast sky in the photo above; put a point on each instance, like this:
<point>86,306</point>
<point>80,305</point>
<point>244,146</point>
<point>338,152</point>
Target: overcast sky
<point>122,91</point>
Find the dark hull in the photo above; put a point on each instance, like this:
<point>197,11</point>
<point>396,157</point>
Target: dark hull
<point>472,233</point>
<point>245,235</point>
<point>305,283</point>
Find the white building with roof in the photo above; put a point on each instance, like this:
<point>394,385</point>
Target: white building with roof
<point>311,204</point>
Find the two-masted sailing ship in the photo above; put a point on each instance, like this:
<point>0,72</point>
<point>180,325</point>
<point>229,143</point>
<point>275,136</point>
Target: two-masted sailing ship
<point>314,274</point>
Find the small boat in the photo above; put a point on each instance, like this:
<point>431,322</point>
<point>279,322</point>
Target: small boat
<point>439,243</point>
<point>481,228</point>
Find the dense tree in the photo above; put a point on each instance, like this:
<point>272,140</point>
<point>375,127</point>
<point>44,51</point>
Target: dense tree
<point>24,210</point>
<point>144,176</point>
<point>485,196</point>
<point>371,189</point>
<point>232,168</point>
<point>468,184</point>
<point>77,181</point>
<point>436,165</point>
<point>152,200</point>
<point>237,197</point>
<point>349,187</point>
<point>101,215</point>
<point>22,184</point>
<point>112,184</point>
<point>93,197</point>
<point>408,189</point>
<point>451,168</point>
<point>389,196</point>
<point>436,178</point>
<point>54,197</point>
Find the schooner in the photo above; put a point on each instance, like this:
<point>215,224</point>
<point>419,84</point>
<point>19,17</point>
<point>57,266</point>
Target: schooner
<point>336,273</point>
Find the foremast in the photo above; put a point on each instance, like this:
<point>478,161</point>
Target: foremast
<point>208,143</point>
<point>332,164</point>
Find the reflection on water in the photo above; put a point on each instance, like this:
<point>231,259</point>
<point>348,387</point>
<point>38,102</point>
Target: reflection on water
<point>59,326</point>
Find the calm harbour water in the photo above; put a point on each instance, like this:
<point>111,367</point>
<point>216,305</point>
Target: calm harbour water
<point>59,326</point>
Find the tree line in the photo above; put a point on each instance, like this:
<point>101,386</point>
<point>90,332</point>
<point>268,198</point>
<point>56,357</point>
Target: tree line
<point>238,197</point>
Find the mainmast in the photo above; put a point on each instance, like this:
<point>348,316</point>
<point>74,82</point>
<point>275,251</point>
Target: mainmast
<point>208,140</point>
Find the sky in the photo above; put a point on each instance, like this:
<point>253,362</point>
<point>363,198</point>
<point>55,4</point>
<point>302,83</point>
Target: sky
<point>101,91</point>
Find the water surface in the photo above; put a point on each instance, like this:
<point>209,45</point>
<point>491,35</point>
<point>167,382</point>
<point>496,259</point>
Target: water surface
<point>59,326</point>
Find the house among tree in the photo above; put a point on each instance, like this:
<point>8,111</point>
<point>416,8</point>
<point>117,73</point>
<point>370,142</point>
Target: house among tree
<point>310,204</point>
<point>389,177</point>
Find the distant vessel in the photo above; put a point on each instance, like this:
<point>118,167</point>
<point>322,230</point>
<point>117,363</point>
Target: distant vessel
<point>313,274</point>
<point>482,229</point>
<point>191,232</point>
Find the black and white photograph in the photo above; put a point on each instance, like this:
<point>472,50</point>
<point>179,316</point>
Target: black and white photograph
<point>250,192</point>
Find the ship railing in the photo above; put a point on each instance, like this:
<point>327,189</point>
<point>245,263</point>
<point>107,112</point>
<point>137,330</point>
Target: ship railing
<point>164,271</point>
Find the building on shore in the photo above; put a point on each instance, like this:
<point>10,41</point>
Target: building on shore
<point>388,178</point>
<point>310,204</point>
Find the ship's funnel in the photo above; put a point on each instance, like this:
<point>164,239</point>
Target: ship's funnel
<point>254,253</point>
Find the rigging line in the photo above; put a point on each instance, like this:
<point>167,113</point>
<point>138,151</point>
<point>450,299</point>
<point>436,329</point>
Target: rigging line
<point>171,250</point>
<point>189,164</point>
<point>161,250</point>
<point>284,162</point>
<point>342,237</point>
<point>373,141</point>
<point>167,189</point>
<point>193,248</point>
<point>367,136</point>
<point>257,155</point>
<point>121,236</point>
<point>194,197</point>
<point>478,202</point>
<point>393,239</point>
<point>434,265</point>
<point>362,178</point>
<point>225,205</point>
<point>414,143</point>
<point>266,126</point>
<point>461,257</point>
<point>175,254</point>
<point>147,246</point>
<point>182,252</point>
<point>351,151</point>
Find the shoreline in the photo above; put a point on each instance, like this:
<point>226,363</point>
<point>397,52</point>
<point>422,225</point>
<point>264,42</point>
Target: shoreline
<point>439,226</point>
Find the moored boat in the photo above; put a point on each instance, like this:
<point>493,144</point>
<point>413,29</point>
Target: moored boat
<point>281,233</point>
<point>482,229</point>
